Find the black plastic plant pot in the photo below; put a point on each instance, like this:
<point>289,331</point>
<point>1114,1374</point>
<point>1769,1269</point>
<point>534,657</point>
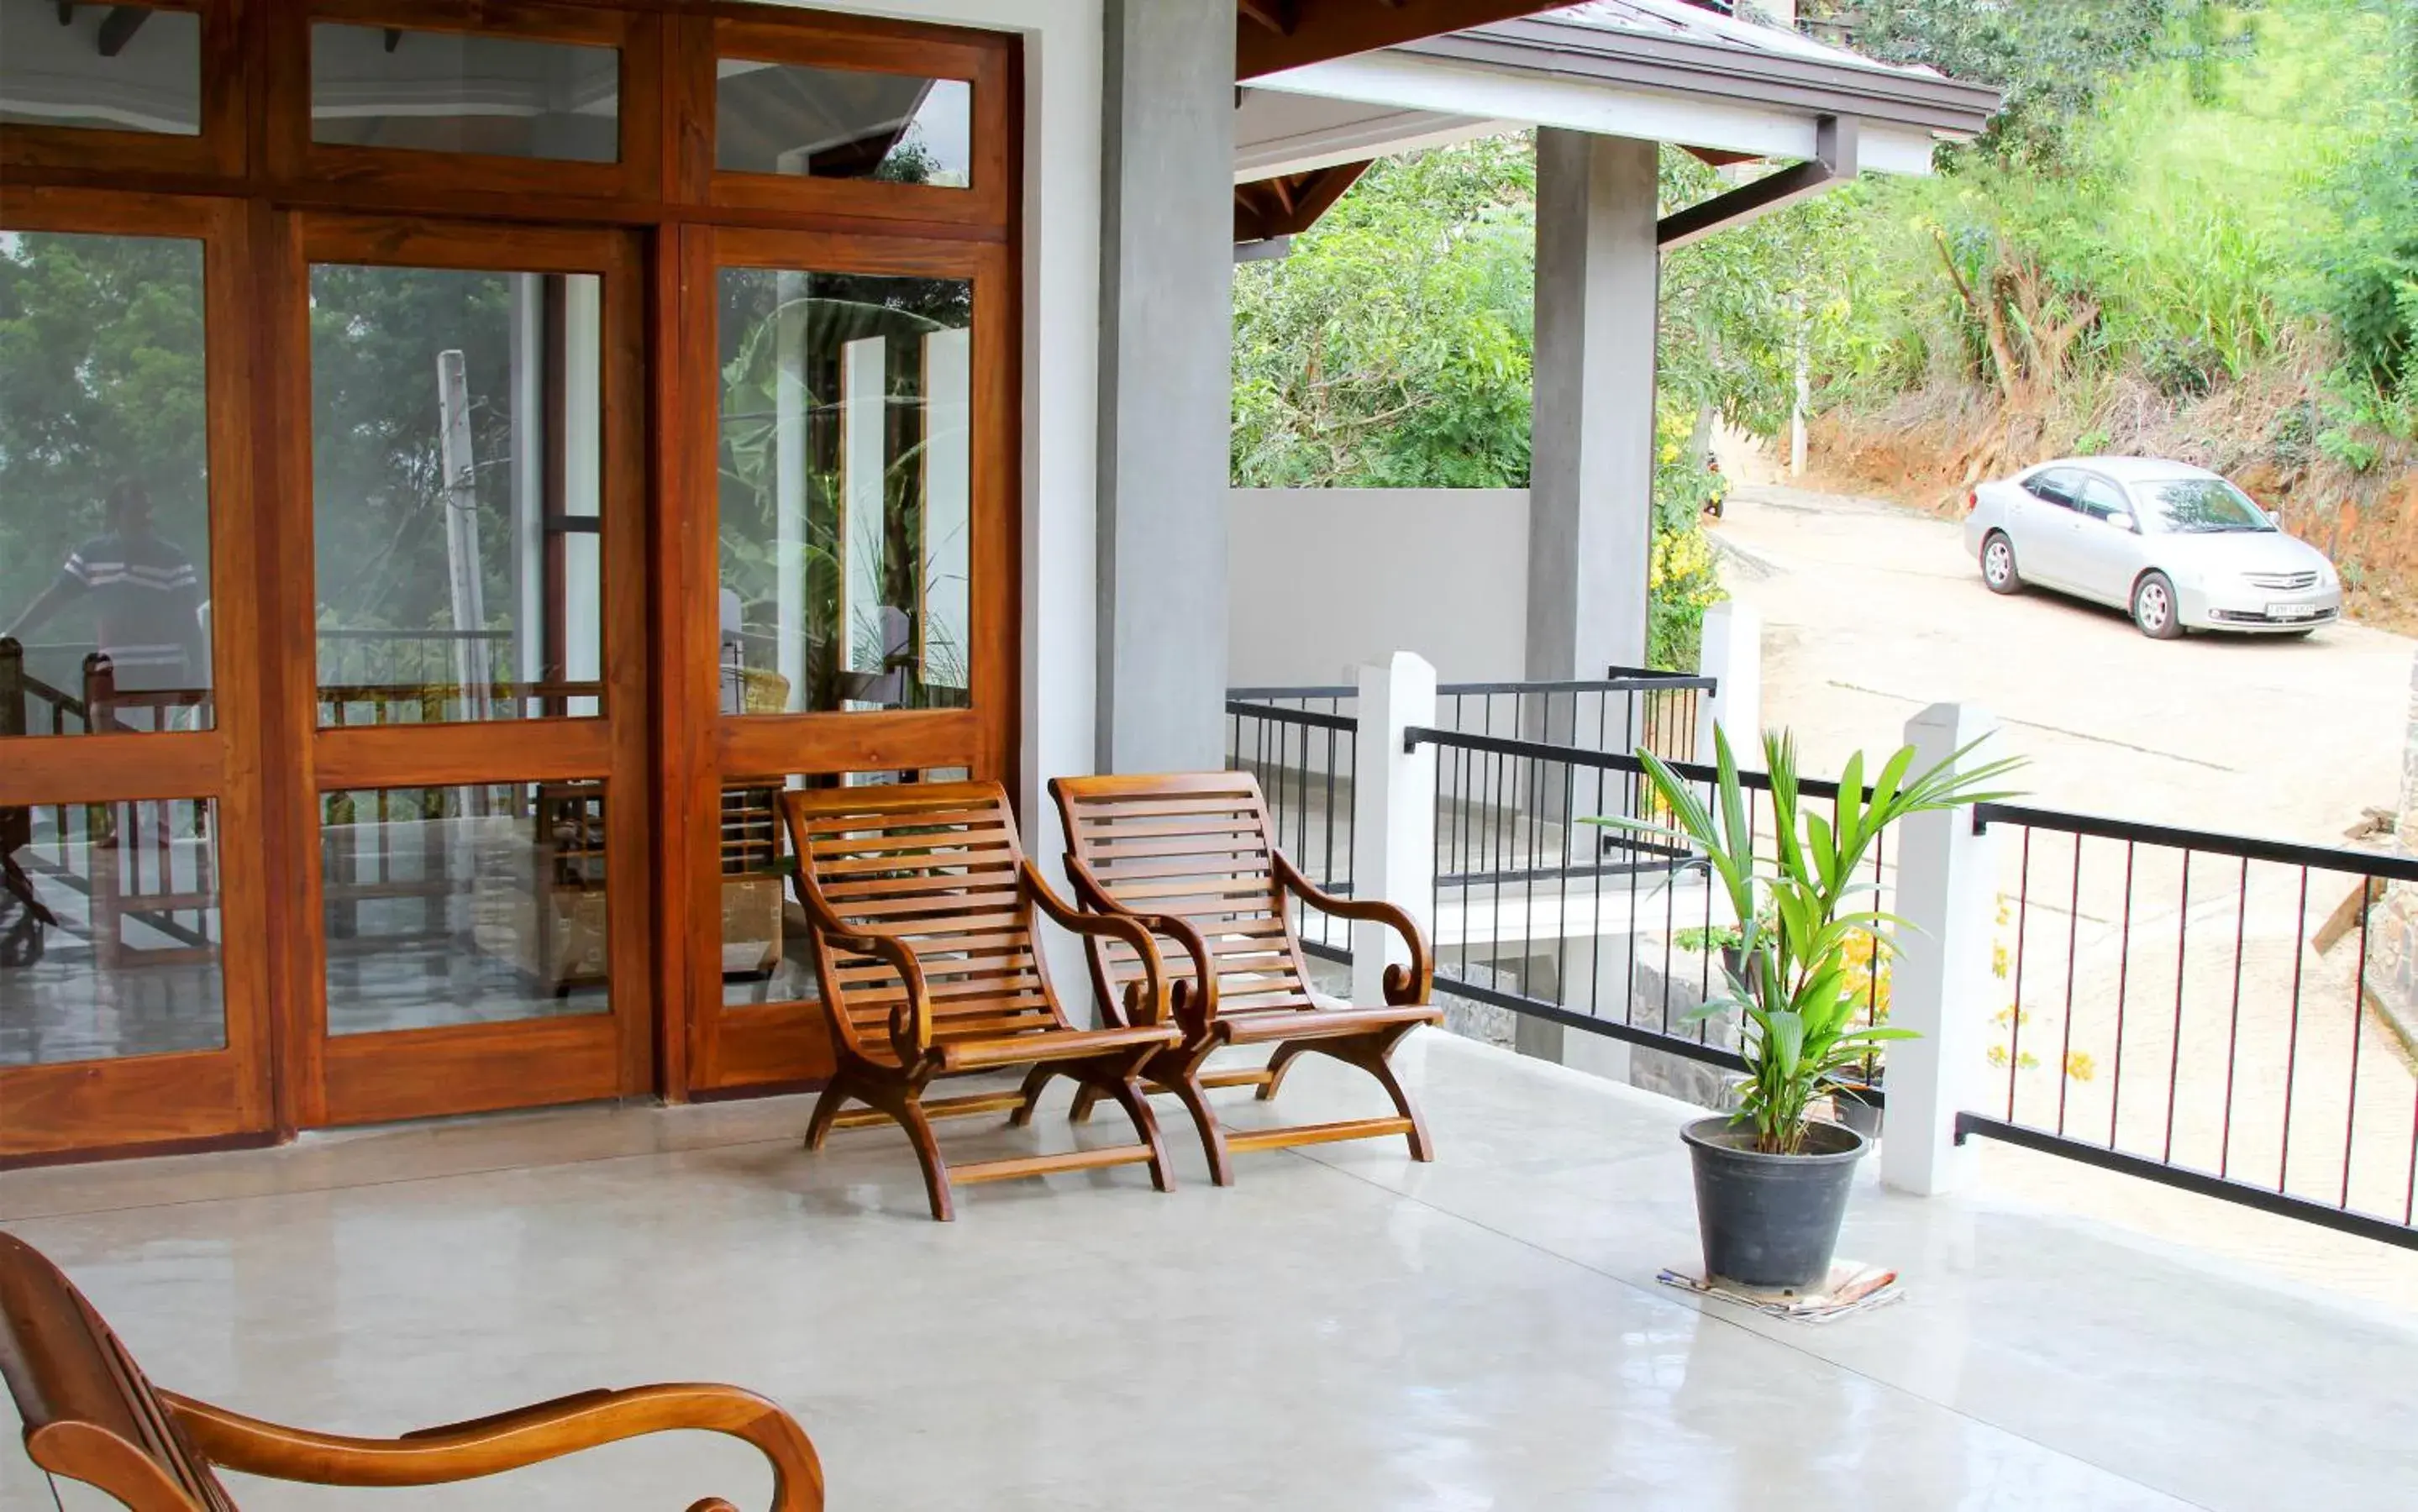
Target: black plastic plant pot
<point>1770,1222</point>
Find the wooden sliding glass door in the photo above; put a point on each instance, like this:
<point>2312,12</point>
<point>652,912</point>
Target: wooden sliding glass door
<point>464,459</point>
<point>133,960</point>
<point>459,462</point>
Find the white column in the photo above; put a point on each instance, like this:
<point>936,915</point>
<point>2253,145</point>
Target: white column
<point>1731,653</point>
<point>1393,815</point>
<point>1940,986</point>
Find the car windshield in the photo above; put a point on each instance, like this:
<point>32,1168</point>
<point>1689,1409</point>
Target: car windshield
<point>2196,506</point>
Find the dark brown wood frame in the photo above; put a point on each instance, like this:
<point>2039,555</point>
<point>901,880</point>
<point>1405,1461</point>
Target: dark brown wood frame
<point>266,201</point>
<point>162,1099</point>
<point>375,1077</point>
<point>785,1043</point>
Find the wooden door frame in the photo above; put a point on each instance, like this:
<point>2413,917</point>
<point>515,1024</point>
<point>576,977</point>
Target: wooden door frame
<point>414,1072</point>
<point>182,1099</point>
<point>766,1047</point>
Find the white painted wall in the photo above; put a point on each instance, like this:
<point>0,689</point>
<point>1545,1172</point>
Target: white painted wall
<point>1325,579</point>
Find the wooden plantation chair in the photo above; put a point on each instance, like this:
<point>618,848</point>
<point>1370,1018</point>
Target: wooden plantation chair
<point>921,904</point>
<point>1194,857</point>
<point>91,1416</point>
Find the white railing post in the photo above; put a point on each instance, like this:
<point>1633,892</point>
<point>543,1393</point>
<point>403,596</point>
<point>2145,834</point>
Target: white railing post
<point>1940,986</point>
<point>1393,814</point>
<point>1731,653</point>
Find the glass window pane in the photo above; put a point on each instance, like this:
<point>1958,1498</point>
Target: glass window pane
<point>841,123</point>
<point>507,96</point>
<point>463,904</point>
<point>845,491</point>
<point>112,66</point>
<point>457,482</point>
<point>108,931</point>
<point>104,485</point>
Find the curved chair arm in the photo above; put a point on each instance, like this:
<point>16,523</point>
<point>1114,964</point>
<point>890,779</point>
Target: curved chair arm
<point>1194,1000</point>
<point>911,1022</point>
<point>508,1441</point>
<point>1152,1006</point>
<point>1403,988</point>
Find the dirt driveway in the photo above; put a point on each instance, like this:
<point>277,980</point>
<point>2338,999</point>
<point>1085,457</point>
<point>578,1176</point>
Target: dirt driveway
<point>1872,611</point>
<point>2187,1020</point>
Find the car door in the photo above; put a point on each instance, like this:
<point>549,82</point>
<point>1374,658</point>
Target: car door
<point>2105,550</point>
<point>2040,520</point>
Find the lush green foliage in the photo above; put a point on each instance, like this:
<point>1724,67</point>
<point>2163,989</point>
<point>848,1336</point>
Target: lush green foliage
<point>1805,956</point>
<point>1391,350</point>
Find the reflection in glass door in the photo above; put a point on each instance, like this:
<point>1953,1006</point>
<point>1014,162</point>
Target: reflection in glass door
<point>132,972</point>
<point>472,521</point>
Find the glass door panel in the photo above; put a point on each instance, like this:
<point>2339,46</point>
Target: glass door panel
<point>846,492</point>
<point>133,968</point>
<point>456,479</point>
<point>474,477</point>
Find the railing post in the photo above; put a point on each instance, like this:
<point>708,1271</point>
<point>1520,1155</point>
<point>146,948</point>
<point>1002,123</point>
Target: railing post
<point>1393,815</point>
<point>1940,986</point>
<point>1731,653</point>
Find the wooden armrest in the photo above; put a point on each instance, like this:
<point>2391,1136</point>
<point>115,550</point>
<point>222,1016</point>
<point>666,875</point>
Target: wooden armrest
<point>1147,1006</point>
<point>1194,1002</point>
<point>911,1022</point>
<point>1403,988</point>
<point>507,1441</point>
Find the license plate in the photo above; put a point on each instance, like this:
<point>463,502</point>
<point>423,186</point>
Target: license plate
<point>2291,611</point>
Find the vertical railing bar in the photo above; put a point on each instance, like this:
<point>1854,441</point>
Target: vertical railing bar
<point>2175,1047</point>
<point>2073,941</point>
<point>2233,1026</point>
<point>2292,1034</point>
<point>2123,981</point>
<point>2015,1012</point>
<point>2358,1028</point>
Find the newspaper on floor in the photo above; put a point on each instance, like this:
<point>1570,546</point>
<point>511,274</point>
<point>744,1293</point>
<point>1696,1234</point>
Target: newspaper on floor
<point>1852,1288</point>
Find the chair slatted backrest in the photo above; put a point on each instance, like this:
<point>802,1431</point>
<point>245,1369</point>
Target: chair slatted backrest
<point>937,864</point>
<point>88,1409</point>
<point>1198,846</point>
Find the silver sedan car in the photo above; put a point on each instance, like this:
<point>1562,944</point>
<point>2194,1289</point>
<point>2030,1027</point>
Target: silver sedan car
<point>2178,547</point>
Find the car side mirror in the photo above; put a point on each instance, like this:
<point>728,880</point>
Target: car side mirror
<point>2125,522</point>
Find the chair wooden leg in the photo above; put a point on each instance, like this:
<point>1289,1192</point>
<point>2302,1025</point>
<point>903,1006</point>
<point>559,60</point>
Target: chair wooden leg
<point>1376,1057</point>
<point>1120,1086</point>
<point>1035,1080</point>
<point>927,1149</point>
<point>1281,1062</point>
<point>1086,1098</point>
<point>836,1093</point>
<point>1182,1078</point>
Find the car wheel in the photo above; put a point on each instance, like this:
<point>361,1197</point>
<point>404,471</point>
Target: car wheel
<point>1998,564</point>
<point>2154,609</point>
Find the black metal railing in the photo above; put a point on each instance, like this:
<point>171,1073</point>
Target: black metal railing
<point>2225,1015</point>
<point>1534,916</point>
<point>1303,746</point>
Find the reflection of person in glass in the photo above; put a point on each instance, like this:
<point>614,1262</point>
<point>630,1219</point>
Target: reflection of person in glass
<point>145,597</point>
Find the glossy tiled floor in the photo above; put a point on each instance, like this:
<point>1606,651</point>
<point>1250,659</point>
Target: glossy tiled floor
<point>1341,1331</point>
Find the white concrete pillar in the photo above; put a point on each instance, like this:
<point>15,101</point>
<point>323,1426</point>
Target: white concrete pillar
<point>1591,467</point>
<point>1393,814</point>
<point>1167,381</point>
<point>1940,986</point>
<point>1731,653</point>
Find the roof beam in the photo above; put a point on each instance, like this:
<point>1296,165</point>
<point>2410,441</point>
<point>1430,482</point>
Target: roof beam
<point>1289,204</point>
<point>1323,29</point>
<point>1833,159</point>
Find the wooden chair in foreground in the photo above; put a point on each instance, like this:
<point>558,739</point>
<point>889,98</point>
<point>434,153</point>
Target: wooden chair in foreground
<point>922,903</point>
<point>90,1415</point>
<point>1194,857</point>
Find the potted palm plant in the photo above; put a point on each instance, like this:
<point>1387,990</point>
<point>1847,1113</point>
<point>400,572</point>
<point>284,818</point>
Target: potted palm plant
<point>1771,1181</point>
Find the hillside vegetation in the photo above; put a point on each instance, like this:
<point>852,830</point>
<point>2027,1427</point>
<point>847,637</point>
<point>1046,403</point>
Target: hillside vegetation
<point>2193,231</point>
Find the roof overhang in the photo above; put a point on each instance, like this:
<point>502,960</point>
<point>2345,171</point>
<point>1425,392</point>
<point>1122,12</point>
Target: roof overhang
<point>1662,70</point>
